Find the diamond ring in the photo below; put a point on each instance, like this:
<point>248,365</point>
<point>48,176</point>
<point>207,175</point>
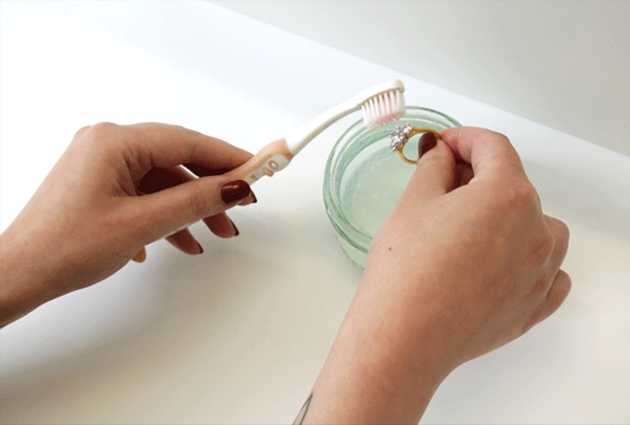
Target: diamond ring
<point>401,135</point>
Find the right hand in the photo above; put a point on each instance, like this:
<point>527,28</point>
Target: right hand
<point>464,263</point>
<point>470,247</point>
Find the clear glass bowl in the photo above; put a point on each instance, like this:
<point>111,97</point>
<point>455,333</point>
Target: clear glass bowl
<point>364,179</point>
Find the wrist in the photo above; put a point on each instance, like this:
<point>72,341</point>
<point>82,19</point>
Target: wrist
<point>385,364</point>
<point>22,285</point>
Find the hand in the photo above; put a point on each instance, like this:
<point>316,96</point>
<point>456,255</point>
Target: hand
<point>465,263</point>
<point>87,220</point>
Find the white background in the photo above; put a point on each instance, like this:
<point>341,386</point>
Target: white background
<point>562,63</point>
<point>239,334</point>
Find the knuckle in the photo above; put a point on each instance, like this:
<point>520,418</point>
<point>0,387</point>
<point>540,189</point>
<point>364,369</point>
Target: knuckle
<point>186,132</point>
<point>82,132</point>
<point>520,195</point>
<point>103,128</point>
<point>562,236</point>
<point>525,192</point>
<point>95,131</point>
<point>91,137</point>
<point>563,230</point>
<point>501,136</point>
<point>559,232</point>
<point>197,206</point>
<point>545,246</point>
<point>540,287</point>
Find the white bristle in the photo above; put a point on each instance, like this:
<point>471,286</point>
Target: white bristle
<point>383,108</point>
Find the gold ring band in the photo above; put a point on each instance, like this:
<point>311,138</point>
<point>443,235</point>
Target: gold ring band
<point>401,136</point>
<point>404,158</point>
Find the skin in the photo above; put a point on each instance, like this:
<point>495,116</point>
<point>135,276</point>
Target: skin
<point>465,263</point>
<point>87,220</point>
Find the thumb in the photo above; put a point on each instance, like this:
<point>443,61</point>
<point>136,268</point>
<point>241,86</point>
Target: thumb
<point>164,212</point>
<point>436,170</point>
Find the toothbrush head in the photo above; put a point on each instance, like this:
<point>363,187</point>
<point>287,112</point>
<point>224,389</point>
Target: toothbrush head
<point>383,103</point>
<point>380,104</point>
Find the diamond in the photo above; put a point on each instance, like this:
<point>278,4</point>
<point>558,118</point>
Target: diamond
<point>399,137</point>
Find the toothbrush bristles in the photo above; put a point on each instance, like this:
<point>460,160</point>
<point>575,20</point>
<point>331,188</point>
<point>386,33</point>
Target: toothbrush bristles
<point>383,108</point>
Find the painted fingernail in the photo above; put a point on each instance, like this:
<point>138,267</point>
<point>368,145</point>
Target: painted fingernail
<point>235,191</point>
<point>427,142</point>
<point>200,248</point>
<point>255,200</point>
<point>236,232</point>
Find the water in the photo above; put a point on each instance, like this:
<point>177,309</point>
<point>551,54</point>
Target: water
<point>364,179</point>
<point>374,182</point>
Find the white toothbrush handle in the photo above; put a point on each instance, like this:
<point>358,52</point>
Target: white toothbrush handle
<point>276,155</point>
<point>272,158</point>
<point>300,137</point>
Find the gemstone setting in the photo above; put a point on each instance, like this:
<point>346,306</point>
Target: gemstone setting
<point>400,137</point>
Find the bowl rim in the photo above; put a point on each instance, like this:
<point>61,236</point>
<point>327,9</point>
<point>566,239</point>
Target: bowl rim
<point>360,240</point>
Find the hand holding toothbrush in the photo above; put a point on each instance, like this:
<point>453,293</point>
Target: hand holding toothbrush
<point>114,190</point>
<point>118,188</point>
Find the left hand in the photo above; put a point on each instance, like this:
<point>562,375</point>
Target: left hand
<point>87,220</point>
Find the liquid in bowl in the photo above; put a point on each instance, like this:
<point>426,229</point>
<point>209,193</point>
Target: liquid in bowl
<point>364,179</point>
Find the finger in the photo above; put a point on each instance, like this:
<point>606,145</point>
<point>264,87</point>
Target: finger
<point>201,171</point>
<point>560,233</point>
<point>161,178</point>
<point>464,173</point>
<point>486,151</point>
<point>221,225</point>
<point>168,145</point>
<point>140,256</point>
<point>185,242</point>
<point>435,173</point>
<point>163,212</point>
<point>556,295</point>
<point>157,179</point>
<point>251,199</point>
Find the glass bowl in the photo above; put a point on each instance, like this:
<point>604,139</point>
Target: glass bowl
<point>364,178</point>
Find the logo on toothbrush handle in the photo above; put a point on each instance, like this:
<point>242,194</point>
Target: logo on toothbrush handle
<point>268,168</point>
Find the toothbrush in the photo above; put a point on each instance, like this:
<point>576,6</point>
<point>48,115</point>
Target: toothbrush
<point>380,104</point>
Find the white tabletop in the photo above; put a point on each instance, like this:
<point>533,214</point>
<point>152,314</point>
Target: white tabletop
<point>238,335</point>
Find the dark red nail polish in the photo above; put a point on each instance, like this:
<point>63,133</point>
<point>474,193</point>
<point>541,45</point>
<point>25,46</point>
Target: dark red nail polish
<point>236,232</point>
<point>255,199</point>
<point>427,142</point>
<point>235,191</point>
<point>200,248</point>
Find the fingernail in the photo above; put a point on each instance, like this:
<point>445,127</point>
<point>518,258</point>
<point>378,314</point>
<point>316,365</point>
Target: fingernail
<point>255,200</point>
<point>236,232</point>
<point>200,248</point>
<point>235,191</point>
<point>427,142</point>
<point>140,256</point>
